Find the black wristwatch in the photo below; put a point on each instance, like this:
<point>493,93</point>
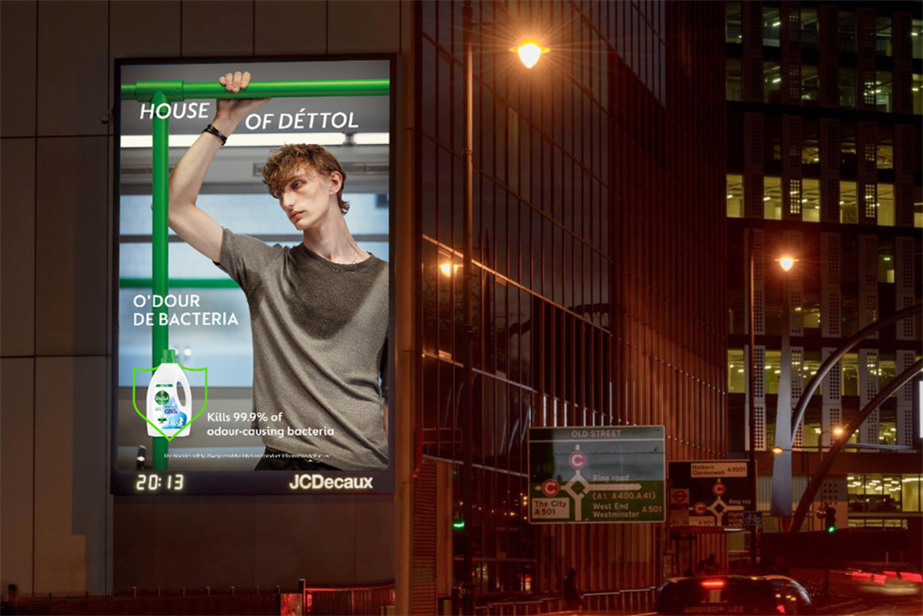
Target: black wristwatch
<point>217,133</point>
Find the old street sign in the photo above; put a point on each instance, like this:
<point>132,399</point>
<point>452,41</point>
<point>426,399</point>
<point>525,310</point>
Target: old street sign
<point>596,475</point>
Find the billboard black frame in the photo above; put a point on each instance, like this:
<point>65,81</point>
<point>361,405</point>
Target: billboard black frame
<point>242,483</point>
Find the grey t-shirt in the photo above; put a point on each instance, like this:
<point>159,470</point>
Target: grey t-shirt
<point>320,334</point>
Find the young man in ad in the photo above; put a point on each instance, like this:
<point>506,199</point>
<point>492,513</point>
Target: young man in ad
<point>319,311</point>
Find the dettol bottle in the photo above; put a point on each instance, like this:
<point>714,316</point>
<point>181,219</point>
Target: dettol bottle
<point>164,408</point>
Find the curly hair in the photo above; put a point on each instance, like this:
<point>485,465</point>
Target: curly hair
<point>284,162</point>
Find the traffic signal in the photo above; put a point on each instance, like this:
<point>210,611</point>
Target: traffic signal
<point>830,519</point>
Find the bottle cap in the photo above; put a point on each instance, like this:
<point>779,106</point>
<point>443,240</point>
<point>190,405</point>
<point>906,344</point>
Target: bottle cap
<point>169,356</point>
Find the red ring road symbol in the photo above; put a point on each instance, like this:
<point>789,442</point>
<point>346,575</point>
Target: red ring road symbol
<point>577,460</point>
<point>550,487</point>
<point>719,489</point>
<point>700,508</point>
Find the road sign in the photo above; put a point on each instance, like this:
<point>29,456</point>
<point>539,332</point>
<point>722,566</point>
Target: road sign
<point>719,489</point>
<point>577,460</point>
<point>679,498</point>
<point>604,474</point>
<point>550,487</point>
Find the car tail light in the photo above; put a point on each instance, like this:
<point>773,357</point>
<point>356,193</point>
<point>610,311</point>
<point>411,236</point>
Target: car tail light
<point>912,577</point>
<point>780,608</point>
<point>713,584</point>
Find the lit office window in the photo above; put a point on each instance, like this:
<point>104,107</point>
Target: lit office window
<point>772,26</point>
<point>737,372</point>
<point>734,84</point>
<point>917,91</point>
<point>810,200</point>
<point>886,205</point>
<point>810,86</point>
<point>772,82</point>
<point>733,31</point>
<point>883,36</point>
<point>849,209</point>
<point>916,35</point>
<point>772,199</point>
<point>735,196</point>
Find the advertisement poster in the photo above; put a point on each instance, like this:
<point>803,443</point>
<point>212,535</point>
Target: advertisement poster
<point>274,370</point>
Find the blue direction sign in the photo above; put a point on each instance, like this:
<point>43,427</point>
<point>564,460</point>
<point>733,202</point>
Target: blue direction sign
<point>753,518</point>
<point>596,475</point>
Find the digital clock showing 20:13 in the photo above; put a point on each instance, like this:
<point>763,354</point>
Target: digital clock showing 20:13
<point>154,482</point>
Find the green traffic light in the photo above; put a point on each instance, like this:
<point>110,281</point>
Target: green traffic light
<point>831,529</point>
<point>458,524</point>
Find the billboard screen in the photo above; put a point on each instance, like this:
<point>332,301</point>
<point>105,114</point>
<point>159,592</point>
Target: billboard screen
<point>252,351</point>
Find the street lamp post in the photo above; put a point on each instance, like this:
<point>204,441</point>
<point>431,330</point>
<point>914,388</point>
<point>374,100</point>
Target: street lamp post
<point>467,588</point>
<point>529,51</point>
<point>751,354</point>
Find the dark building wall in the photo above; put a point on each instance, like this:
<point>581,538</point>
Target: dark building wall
<point>61,531</point>
<point>599,234</point>
<point>669,239</point>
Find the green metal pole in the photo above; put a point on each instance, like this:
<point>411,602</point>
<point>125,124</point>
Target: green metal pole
<point>160,338</point>
<point>162,93</point>
<point>179,91</point>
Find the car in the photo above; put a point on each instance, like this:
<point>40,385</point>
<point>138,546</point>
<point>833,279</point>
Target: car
<point>733,594</point>
<point>893,579</point>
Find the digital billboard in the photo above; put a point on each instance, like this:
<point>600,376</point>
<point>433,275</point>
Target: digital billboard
<point>252,286</point>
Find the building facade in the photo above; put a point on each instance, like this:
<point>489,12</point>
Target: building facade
<point>599,255</point>
<point>824,109</point>
<point>598,301</point>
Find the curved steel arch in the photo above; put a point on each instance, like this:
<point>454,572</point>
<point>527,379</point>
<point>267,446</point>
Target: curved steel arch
<point>827,463</point>
<point>825,367</point>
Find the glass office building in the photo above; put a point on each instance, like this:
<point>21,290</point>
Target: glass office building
<point>824,118</point>
<point>597,302</point>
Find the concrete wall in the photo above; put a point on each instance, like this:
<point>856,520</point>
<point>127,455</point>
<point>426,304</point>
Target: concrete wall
<point>59,527</point>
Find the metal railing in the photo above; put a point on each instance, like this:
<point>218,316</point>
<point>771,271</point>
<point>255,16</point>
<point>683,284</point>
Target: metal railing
<point>355,600</point>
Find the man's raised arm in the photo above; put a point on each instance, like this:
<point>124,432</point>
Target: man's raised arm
<point>196,227</point>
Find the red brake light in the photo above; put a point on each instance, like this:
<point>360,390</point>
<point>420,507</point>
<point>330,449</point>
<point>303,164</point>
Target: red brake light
<point>780,608</point>
<point>713,584</point>
<point>912,577</point>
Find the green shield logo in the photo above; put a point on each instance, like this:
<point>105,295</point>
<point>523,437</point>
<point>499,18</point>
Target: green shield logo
<point>163,397</point>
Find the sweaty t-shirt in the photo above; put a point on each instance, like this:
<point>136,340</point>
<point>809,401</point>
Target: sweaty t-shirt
<point>320,334</point>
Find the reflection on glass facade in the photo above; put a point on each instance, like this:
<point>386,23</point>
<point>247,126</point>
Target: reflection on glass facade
<point>578,322</point>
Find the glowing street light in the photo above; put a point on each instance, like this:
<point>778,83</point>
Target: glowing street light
<point>787,263</point>
<point>530,52</point>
